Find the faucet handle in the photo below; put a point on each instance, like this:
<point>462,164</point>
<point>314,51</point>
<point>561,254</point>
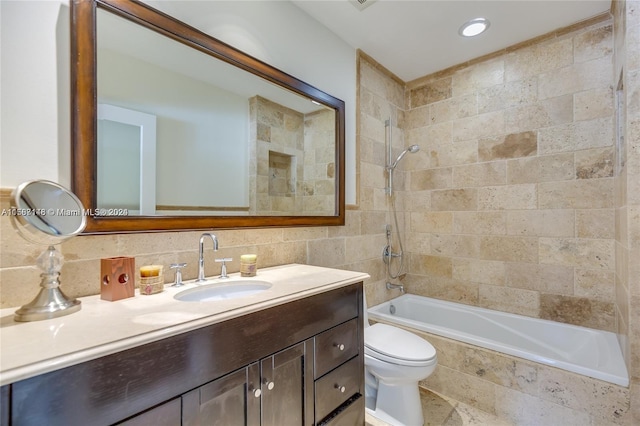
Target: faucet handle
<point>223,272</point>
<point>178,280</point>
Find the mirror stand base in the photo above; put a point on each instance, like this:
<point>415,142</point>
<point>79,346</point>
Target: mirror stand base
<point>50,302</point>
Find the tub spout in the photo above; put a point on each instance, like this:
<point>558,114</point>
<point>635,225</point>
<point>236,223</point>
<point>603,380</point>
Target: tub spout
<point>391,286</point>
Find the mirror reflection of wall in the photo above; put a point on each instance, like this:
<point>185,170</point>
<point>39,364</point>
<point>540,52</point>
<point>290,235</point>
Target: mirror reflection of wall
<point>227,143</point>
<point>202,133</point>
<point>126,148</point>
<point>201,159</point>
<point>118,165</point>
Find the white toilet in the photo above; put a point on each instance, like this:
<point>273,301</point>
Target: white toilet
<point>395,361</point>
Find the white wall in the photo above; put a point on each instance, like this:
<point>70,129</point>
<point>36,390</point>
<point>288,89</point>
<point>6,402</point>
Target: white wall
<point>34,92</point>
<point>34,118</point>
<point>199,159</point>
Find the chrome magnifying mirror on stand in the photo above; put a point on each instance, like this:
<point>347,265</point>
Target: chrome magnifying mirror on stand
<point>46,213</point>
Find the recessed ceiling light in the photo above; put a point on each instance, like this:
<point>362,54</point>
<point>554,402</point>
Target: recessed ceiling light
<point>474,27</point>
<point>362,4</point>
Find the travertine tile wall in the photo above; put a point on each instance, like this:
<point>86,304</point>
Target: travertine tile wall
<point>291,160</point>
<point>80,276</point>
<point>523,218</point>
<point>523,392</point>
<point>626,80</point>
<point>279,155</point>
<point>350,246</point>
<point>512,193</point>
<point>381,98</point>
<point>319,169</point>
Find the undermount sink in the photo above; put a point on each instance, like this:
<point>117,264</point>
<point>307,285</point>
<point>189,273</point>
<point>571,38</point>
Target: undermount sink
<point>223,291</point>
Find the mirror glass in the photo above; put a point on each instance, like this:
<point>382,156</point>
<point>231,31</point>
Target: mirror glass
<point>47,213</point>
<point>183,133</point>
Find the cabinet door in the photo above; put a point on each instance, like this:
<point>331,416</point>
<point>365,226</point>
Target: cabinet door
<point>4,406</point>
<point>228,401</point>
<point>287,386</point>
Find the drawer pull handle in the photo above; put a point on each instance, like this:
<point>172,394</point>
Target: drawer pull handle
<point>342,389</point>
<point>257,393</point>
<point>339,346</point>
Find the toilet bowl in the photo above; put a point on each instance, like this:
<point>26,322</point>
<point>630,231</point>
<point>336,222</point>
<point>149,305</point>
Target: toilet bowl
<point>395,361</point>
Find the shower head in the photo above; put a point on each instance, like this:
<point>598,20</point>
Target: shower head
<point>412,149</point>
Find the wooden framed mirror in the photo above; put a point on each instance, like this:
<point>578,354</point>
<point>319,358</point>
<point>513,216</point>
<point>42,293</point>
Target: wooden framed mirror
<point>153,150</point>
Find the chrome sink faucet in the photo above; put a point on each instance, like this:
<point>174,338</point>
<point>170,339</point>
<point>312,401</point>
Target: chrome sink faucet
<point>201,254</point>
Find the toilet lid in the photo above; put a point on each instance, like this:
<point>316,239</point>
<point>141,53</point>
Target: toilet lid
<point>397,343</point>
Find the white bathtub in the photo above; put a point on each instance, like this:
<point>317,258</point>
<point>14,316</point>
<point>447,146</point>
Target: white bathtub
<point>581,350</point>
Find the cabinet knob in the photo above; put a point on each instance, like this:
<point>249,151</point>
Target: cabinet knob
<point>340,346</point>
<point>269,384</point>
<point>342,389</point>
<point>256,392</point>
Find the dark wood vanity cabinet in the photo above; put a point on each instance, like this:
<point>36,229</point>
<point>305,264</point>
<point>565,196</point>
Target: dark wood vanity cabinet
<point>287,386</point>
<point>167,414</point>
<point>300,363</point>
<point>229,400</point>
<point>272,391</point>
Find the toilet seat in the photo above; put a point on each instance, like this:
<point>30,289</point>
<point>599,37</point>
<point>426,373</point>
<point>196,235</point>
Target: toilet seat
<point>397,346</point>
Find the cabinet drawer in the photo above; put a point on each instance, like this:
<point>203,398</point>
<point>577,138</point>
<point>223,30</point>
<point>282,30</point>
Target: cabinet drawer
<point>335,346</point>
<point>349,415</point>
<point>336,387</point>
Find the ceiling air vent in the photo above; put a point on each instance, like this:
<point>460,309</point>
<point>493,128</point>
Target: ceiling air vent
<point>362,4</point>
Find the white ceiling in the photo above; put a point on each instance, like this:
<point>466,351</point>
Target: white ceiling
<point>413,38</point>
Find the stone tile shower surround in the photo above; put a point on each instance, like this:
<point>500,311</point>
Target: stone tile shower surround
<point>626,81</point>
<point>489,249</point>
<point>514,201</point>
<point>292,164</point>
<point>518,166</point>
<point>522,392</point>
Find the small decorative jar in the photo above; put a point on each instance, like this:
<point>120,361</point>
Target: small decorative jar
<point>248,265</point>
<point>151,279</point>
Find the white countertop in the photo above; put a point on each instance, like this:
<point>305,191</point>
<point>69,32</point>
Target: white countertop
<point>101,327</point>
